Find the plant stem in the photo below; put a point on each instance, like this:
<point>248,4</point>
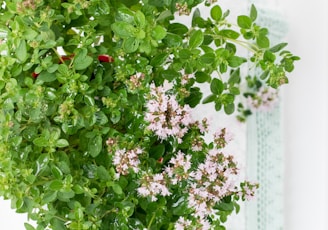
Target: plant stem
<point>151,221</point>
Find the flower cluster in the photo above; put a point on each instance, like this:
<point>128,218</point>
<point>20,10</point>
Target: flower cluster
<point>248,190</point>
<point>222,137</point>
<point>153,185</point>
<point>125,160</point>
<point>213,180</point>
<point>165,116</point>
<point>264,100</point>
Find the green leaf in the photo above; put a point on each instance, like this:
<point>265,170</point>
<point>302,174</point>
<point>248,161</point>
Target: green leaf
<point>244,22</point>
<point>172,40</point>
<point>229,108</point>
<point>41,141</point>
<point>82,60</point>
<point>278,47</point>
<point>159,59</point>
<point>229,34</point>
<point>202,77</point>
<point>194,98</point>
<point>207,58</point>
<point>209,99</point>
<point>56,185</point>
<point>103,173</point>
<point>158,33</point>
<point>264,75</point>
<point>170,74</point>
<point>126,15</point>
<point>178,29</point>
<point>157,151</point>
<point>195,17</point>
<point>115,116</point>
<point>21,51</point>
<point>263,41</point>
<point>253,14</point>
<point>217,86</point>
<point>269,56</point>
<point>235,61</point>
<point>61,143</point>
<point>196,39</point>
<point>216,13</point>
<point>117,189</point>
<point>225,206</point>
<point>180,208</point>
<point>95,146</point>
<point>123,29</point>
<point>45,76</point>
<point>131,44</point>
<point>28,226</point>
<point>140,19</point>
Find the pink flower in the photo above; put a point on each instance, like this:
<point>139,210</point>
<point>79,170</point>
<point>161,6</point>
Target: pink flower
<point>127,159</point>
<point>165,116</point>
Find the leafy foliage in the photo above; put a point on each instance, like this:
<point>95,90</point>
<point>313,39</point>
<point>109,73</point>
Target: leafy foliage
<point>75,82</point>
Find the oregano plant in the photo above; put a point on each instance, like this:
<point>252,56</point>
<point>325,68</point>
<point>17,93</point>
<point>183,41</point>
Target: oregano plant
<point>96,117</point>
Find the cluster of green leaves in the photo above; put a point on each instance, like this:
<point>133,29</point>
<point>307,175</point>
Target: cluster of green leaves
<point>58,109</point>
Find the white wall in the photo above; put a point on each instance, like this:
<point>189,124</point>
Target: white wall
<point>306,116</point>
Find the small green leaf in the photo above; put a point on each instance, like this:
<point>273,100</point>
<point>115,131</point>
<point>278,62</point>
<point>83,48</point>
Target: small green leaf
<point>28,226</point>
<point>131,45</point>
<point>196,39</point>
<point>56,185</point>
<point>103,173</point>
<point>45,76</point>
<point>202,77</point>
<point>95,146</point>
<point>264,75</point>
<point>82,60</point>
<point>229,33</point>
<point>278,47</point>
<point>172,40</point>
<point>140,19</point>
<point>244,22</point>
<point>269,56</point>
<point>253,14</point>
<point>123,29</point>
<point>209,99</point>
<point>217,86</point>
<point>170,74</point>
<point>61,143</point>
<point>194,98</point>
<point>159,59</point>
<point>117,189</point>
<point>235,61</point>
<point>207,58</point>
<point>158,33</point>
<point>195,17</point>
<point>229,108</point>
<point>49,197</point>
<point>216,13</point>
<point>21,51</point>
<point>178,29</point>
<point>263,41</point>
<point>41,142</point>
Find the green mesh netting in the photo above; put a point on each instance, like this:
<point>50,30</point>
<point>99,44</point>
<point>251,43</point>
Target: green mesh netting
<point>264,154</point>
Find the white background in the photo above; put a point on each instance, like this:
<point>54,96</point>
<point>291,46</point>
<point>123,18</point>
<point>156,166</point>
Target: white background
<point>306,116</point>
<point>305,121</point>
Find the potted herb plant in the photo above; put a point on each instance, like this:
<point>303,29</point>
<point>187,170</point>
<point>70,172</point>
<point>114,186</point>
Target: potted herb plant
<point>96,111</point>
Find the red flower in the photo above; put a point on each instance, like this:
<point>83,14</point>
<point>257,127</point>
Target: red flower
<point>105,58</point>
<point>35,75</point>
<point>66,58</point>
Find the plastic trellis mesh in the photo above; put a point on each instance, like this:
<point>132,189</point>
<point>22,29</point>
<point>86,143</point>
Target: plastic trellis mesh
<point>264,154</point>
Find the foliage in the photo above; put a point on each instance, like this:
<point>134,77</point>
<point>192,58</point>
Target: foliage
<point>90,138</point>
